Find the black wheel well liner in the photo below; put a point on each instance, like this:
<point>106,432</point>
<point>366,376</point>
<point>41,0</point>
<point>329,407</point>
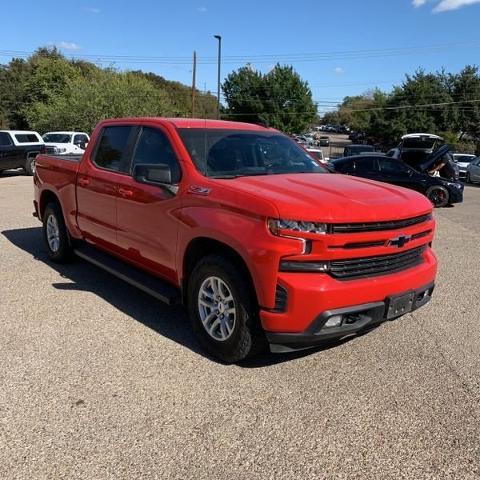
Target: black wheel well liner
<point>201,247</point>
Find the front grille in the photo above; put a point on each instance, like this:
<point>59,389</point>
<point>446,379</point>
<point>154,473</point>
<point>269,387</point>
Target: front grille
<point>372,266</point>
<point>51,150</point>
<point>377,226</point>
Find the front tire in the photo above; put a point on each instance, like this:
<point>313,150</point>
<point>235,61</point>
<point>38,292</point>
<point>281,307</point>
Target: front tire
<point>468,179</point>
<point>439,196</point>
<point>30,166</point>
<point>56,234</point>
<point>223,310</point>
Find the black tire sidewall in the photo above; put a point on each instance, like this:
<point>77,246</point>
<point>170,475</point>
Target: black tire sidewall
<point>64,251</point>
<point>241,343</point>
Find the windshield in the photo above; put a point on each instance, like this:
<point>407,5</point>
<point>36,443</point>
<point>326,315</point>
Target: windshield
<point>361,148</point>
<point>235,153</point>
<point>57,137</point>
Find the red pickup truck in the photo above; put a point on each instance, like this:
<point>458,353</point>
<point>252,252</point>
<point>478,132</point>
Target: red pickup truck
<point>236,221</point>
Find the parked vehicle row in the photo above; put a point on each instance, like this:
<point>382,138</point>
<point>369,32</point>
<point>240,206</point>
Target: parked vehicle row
<point>236,221</point>
<point>19,148</point>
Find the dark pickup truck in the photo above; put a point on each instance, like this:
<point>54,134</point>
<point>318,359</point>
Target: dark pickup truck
<point>18,149</point>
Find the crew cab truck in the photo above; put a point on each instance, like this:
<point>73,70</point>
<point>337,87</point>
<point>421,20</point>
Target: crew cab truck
<point>236,221</point>
<point>19,148</point>
<point>65,143</point>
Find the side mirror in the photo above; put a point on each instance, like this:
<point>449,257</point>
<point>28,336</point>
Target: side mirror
<point>157,174</point>
<point>81,145</point>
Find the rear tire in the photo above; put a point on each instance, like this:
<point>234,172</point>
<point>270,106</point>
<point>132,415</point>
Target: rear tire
<point>439,196</point>
<point>223,310</point>
<point>56,234</point>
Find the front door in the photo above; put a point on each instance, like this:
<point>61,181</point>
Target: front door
<point>97,185</point>
<point>146,214</point>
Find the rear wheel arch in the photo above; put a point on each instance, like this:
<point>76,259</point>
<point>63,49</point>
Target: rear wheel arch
<point>201,247</point>
<point>47,197</point>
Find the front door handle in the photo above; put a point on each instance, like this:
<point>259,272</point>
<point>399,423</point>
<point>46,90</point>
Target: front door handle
<point>84,182</point>
<point>125,193</point>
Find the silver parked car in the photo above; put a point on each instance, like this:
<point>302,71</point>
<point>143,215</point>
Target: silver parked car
<point>473,171</point>
<point>463,160</point>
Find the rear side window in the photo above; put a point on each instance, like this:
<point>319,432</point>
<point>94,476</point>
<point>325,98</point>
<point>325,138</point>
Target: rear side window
<point>153,147</point>
<point>113,146</point>
<point>27,138</point>
<point>5,139</point>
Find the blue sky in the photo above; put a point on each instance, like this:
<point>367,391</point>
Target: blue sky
<point>341,47</point>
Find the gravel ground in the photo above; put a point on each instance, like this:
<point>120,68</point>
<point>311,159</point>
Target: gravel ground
<point>98,380</point>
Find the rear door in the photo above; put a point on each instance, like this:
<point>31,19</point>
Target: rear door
<point>146,214</point>
<point>97,184</point>
<point>474,170</point>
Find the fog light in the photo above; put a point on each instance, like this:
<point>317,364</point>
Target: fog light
<point>335,321</point>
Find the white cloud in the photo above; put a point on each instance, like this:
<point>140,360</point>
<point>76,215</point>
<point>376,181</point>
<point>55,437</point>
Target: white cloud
<point>339,71</point>
<point>446,5</point>
<point>68,45</point>
<point>202,9</point>
<point>92,9</point>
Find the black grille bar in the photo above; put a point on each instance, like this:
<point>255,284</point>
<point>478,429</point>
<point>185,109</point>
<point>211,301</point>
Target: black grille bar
<point>378,226</point>
<point>379,265</point>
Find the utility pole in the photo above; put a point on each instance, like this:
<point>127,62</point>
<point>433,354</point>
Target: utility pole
<point>194,79</point>
<point>219,38</point>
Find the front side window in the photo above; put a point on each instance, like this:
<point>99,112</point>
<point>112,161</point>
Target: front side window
<point>236,153</point>
<point>5,139</point>
<point>112,149</point>
<point>80,139</point>
<point>153,147</point>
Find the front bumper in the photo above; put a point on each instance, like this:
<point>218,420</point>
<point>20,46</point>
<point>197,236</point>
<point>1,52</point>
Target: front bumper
<point>357,319</point>
<point>309,296</point>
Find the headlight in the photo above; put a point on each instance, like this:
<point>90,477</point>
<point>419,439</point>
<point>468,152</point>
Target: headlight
<point>62,150</point>
<point>278,227</point>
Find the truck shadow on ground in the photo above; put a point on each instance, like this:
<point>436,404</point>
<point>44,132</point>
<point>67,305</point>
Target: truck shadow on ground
<point>170,322</point>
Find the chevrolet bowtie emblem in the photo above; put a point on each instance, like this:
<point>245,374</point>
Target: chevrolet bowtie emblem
<point>399,241</point>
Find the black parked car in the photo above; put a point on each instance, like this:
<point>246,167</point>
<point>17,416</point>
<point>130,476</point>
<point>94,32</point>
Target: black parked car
<point>18,149</point>
<point>440,191</point>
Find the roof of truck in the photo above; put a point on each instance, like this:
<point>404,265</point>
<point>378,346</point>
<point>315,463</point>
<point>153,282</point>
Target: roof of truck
<point>195,123</point>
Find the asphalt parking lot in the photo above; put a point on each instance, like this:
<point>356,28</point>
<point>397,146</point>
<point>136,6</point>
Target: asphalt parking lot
<point>98,380</point>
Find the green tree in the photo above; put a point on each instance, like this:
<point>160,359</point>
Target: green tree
<point>99,95</point>
<point>279,98</point>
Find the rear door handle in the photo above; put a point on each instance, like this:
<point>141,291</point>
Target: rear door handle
<point>84,182</point>
<point>125,193</point>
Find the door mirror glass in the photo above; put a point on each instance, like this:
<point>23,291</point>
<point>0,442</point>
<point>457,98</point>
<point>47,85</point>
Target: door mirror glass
<point>157,174</point>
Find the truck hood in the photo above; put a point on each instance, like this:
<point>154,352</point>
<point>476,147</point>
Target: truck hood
<point>60,145</point>
<point>333,197</point>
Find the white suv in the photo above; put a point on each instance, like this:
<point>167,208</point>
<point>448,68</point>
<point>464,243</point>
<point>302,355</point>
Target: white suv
<point>65,143</point>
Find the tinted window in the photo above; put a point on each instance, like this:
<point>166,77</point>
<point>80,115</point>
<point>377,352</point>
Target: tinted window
<point>153,147</point>
<point>80,138</point>
<point>5,139</point>
<point>57,137</point>
<point>391,167</point>
<point>112,148</point>
<point>364,165</point>
<point>232,153</point>
<point>27,138</point>
<point>343,167</point>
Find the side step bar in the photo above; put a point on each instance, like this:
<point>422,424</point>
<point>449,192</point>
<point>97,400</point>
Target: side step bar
<point>144,281</point>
